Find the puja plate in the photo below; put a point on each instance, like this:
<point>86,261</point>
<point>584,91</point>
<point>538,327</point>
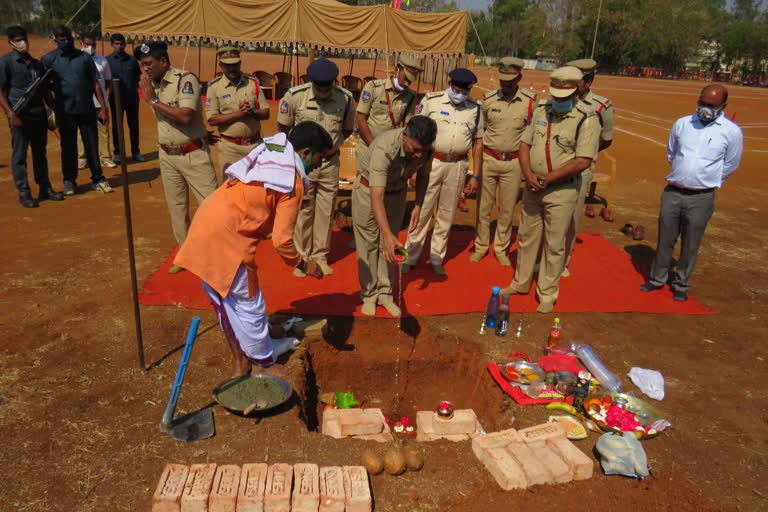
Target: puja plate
<point>644,412</point>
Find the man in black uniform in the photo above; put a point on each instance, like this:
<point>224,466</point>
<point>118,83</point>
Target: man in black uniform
<point>29,127</point>
<point>125,67</point>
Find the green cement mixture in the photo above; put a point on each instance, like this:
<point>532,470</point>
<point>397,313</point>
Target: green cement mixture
<point>263,392</point>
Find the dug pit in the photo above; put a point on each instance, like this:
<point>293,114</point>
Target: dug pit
<point>399,371</point>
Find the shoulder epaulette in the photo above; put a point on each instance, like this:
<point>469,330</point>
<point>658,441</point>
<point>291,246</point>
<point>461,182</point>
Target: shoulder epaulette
<point>218,78</point>
<point>433,94</point>
<point>472,100</point>
<point>378,82</point>
<point>345,91</point>
<point>542,103</point>
<point>527,92</point>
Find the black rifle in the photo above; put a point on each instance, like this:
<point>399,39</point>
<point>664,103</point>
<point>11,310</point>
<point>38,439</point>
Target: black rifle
<point>31,92</point>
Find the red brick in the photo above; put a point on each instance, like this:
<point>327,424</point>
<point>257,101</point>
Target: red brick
<point>581,465</point>
<point>353,422</point>
<point>331,489</point>
<point>357,489</point>
<point>277,494</point>
<point>167,497</point>
<point>306,492</point>
<point>198,488</point>
<point>253,480</point>
<point>560,470</point>
<point>464,421</point>
<point>542,432</point>
<point>535,472</point>
<point>500,463</point>
<point>425,428</point>
<point>224,490</point>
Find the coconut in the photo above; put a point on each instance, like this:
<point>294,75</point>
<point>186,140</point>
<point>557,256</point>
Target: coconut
<point>413,460</point>
<point>372,462</point>
<point>394,462</point>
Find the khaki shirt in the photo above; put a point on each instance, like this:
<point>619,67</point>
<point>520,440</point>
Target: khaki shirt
<point>505,120</point>
<point>336,114</point>
<point>179,89</point>
<point>386,165</point>
<point>604,110</point>
<point>373,103</point>
<point>225,96</point>
<point>564,143</point>
<point>457,125</point>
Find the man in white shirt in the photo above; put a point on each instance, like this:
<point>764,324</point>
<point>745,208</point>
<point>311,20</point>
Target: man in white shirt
<point>88,45</point>
<point>703,150</point>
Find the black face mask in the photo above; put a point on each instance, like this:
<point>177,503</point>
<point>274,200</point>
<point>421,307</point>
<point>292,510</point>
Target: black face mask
<point>65,45</point>
<point>120,50</point>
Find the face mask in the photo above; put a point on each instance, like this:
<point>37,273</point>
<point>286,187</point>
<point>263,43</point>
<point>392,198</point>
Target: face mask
<point>707,114</point>
<point>396,84</point>
<point>308,165</point>
<point>64,44</point>
<point>323,95</point>
<point>562,107</point>
<point>88,50</point>
<point>20,46</point>
<point>456,97</point>
<point>119,49</point>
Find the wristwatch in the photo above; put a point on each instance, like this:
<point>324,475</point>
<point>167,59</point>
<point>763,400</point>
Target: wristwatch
<point>154,102</point>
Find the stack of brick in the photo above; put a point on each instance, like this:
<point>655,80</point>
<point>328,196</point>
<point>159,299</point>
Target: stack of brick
<point>366,424</point>
<point>463,425</point>
<point>533,456</point>
<point>262,488</point>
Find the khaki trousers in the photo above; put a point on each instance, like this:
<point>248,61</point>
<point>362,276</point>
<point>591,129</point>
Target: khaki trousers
<point>570,237</point>
<point>180,173</point>
<point>312,236</point>
<point>104,153</point>
<point>503,177</point>
<point>445,183</point>
<point>374,272</point>
<point>550,212</point>
<point>229,153</point>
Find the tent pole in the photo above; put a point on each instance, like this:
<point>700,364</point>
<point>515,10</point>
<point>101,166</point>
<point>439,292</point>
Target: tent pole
<point>351,63</point>
<point>375,61</point>
<point>199,56</point>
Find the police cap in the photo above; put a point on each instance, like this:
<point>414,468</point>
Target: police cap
<point>564,81</point>
<point>586,66</point>
<point>410,66</point>
<point>154,49</point>
<point>463,78</point>
<point>322,71</point>
<point>510,67</point>
<point>228,55</point>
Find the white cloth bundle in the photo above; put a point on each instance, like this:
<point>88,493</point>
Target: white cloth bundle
<point>276,169</point>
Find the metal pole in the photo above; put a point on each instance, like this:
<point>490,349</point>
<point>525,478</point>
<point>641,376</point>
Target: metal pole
<point>199,56</point>
<point>128,223</point>
<point>375,60</point>
<point>597,23</point>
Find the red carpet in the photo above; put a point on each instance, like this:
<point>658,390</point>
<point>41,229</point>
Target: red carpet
<point>603,278</point>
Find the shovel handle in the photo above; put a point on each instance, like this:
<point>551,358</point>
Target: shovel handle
<point>168,416</point>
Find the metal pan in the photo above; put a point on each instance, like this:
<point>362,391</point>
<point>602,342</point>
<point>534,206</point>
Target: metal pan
<point>522,372</point>
<point>252,393</point>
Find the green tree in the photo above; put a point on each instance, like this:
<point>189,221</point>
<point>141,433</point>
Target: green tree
<point>746,46</point>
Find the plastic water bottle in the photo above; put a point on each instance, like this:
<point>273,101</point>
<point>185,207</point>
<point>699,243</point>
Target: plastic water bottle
<point>554,334</point>
<point>493,307</point>
<point>502,317</point>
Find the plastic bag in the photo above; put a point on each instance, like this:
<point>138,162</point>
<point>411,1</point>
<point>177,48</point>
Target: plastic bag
<point>650,382</point>
<point>622,455</point>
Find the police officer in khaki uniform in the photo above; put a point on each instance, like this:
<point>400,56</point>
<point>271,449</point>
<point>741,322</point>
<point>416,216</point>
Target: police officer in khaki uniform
<point>386,104</point>
<point>558,144</point>
<point>235,103</point>
<point>459,131</point>
<point>185,161</point>
<point>604,110</point>
<point>505,113</point>
<point>378,205</point>
<point>333,108</point>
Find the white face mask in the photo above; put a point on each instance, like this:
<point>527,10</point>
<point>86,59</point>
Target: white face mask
<point>456,97</point>
<point>87,49</point>
<point>20,46</point>
<point>396,84</point>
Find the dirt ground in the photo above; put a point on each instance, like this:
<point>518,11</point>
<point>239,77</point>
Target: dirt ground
<point>80,419</point>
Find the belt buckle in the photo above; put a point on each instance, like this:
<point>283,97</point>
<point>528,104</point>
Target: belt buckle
<point>504,155</point>
<point>450,157</point>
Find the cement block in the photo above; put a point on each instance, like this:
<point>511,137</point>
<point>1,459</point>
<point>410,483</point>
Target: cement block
<point>167,497</point>
<point>198,488</point>
<point>250,495</point>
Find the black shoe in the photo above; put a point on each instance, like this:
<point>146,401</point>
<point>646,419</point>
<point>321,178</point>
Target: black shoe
<point>49,193</point>
<point>27,202</point>
<point>679,296</point>
<point>649,287</point>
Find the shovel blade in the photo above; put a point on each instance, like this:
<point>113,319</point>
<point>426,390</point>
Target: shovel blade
<point>193,426</point>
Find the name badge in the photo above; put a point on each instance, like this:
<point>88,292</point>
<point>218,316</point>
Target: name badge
<point>226,96</point>
<point>495,110</point>
<point>542,123</point>
<point>444,113</point>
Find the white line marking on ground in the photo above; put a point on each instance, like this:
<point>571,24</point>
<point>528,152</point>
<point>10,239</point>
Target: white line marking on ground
<point>663,127</point>
<point>641,136</point>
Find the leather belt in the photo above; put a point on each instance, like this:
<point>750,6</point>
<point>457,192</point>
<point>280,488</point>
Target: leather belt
<point>505,156</point>
<point>690,191</point>
<point>450,157</point>
<point>182,149</point>
<point>364,182</point>
<point>241,141</point>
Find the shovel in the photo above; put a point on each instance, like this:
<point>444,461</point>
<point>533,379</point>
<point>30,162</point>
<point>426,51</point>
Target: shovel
<point>195,425</point>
